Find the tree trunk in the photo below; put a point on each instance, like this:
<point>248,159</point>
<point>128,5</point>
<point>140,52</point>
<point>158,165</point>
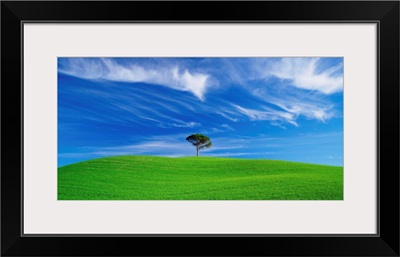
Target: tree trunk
<point>197,151</point>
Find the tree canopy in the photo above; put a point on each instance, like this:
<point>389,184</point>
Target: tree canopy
<point>199,141</point>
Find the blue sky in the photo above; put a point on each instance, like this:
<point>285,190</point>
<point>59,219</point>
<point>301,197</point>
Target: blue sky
<point>269,108</point>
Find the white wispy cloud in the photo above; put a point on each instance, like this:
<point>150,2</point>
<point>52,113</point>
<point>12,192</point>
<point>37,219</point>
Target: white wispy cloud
<point>219,129</point>
<point>173,77</point>
<point>305,73</point>
<point>229,117</point>
<point>142,111</point>
<point>285,100</point>
<point>270,114</point>
<point>285,104</point>
<point>226,126</point>
<point>186,124</point>
<point>171,147</point>
<point>309,109</point>
<point>175,145</point>
<point>295,104</point>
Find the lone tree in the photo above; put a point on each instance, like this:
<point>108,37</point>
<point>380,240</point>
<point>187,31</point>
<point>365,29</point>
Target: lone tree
<point>199,141</point>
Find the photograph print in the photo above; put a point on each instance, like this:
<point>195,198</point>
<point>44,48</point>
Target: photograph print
<point>238,128</point>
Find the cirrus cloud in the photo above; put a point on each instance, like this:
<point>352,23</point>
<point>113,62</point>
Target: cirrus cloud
<point>173,77</point>
<point>306,73</point>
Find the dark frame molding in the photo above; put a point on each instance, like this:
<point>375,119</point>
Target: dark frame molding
<point>384,13</point>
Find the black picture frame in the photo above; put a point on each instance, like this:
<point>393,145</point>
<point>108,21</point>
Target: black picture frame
<point>383,13</point>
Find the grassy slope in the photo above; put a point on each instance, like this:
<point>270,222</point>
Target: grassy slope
<point>197,178</point>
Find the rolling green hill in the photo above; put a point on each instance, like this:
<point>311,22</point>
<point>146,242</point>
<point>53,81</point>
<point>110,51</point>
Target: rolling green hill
<point>197,178</point>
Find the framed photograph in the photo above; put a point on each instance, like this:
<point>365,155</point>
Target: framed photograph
<point>205,128</point>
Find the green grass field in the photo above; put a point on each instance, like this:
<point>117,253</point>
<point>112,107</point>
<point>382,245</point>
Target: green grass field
<point>197,178</point>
